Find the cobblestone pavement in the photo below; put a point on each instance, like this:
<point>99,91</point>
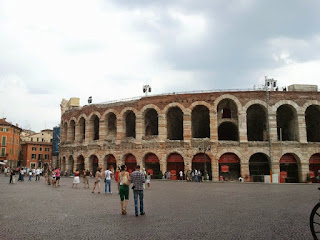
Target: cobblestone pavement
<point>174,210</point>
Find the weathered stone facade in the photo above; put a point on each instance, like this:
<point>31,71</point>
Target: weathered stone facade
<point>227,126</point>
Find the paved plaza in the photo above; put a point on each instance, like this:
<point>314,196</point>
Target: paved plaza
<point>174,210</point>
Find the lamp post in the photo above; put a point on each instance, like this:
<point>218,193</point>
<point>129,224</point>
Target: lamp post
<point>146,89</point>
<point>205,149</point>
<point>270,84</point>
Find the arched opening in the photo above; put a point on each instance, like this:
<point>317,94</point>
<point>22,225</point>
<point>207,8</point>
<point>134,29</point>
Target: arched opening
<point>202,162</point>
<point>151,122</point>
<point>95,122</point>
<point>111,126</point>
<point>94,164</point>
<point>175,164</point>
<point>130,124</point>
<point>226,112</point>
<point>175,124</point>
<point>200,122</point>
<point>258,167</point>
<point>314,167</point>
<point>73,130</point>
<point>229,167</point>
<point>63,165</point>
<point>313,123</point>
<point>287,123</point>
<point>110,162</point>
<point>70,165</point>
<point>65,132</point>
<point>82,123</point>
<point>257,123</point>
<point>228,131</point>
<point>289,172</point>
<point>152,165</point>
<point>130,162</point>
<point>80,164</point>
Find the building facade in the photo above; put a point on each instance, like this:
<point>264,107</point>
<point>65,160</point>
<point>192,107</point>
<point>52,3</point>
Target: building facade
<point>226,134</point>
<point>10,143</point>
<point>37,149</point>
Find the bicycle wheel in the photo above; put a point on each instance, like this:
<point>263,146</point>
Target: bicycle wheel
<point>315,221</point>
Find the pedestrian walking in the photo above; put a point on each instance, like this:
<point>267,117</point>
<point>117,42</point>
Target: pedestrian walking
<point>180,175</point>
<point>12,176</point>
<point>76,178</point>
<point>107,179</point>
<point>37,174</point>
<point>30,176</point>
<point>58,172</point>
<point>137,178</point>
<point>124,182</point>
<point>97,180</point>
<point>148,180</point>
<point>86,178</point>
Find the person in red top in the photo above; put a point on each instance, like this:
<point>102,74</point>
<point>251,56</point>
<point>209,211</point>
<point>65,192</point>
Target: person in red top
<point>116,177</point>
<point>58,176</point>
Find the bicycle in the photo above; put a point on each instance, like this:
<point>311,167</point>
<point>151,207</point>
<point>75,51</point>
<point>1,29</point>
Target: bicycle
<point>315,221</point>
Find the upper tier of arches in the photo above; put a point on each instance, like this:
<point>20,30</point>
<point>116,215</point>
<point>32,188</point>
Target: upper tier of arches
<point>226,119</point>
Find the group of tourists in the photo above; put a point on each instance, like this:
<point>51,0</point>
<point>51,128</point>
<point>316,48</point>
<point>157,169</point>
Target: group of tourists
<point>22,172</point>
<point>53,176</point>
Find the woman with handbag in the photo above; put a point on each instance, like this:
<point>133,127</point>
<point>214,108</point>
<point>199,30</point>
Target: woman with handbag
<point>124,182</point>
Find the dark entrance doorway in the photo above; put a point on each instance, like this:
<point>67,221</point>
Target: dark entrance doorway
<point>289,169</point>
<point>258,167</point>
<point>202,162</point>
<point>110,162</point>
<point>229,167</point>
<point>152,165</point>
<point>94,164</point>
<point>314,167</point>
<point>130,162</point>
<point>175,164</point>
<point>80,163</point>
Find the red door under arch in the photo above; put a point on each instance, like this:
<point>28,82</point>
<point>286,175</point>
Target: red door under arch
<point>131,162</point>
<point>175,164</point>
<point>198,162</point>
<point>288,169</point>
<point>314,167</point>
<point>152,165</point>
<point>229,167</point>
<point>111,162</point>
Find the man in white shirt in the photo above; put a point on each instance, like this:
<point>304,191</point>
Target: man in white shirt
<point>37,174</point>
<point>181,175</point>
<point>107,175</point>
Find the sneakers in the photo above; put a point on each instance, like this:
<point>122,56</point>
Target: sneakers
<point>143,213</point>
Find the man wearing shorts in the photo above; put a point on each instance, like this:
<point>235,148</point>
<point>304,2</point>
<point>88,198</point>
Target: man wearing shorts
<point>57,176</point>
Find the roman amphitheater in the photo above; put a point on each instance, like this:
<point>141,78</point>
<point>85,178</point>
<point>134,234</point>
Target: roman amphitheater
<point>224,134</point>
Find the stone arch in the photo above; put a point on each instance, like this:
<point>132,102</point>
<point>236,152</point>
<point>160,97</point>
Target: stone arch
<point>148,106</point>
<point>129,109</point>
<point>93,164</point>
<point>259,166</point>
<point>111,118</point>
<point>175,164</point>
<point>175,104</point>
<point>130,119</point>
<point>151,122</point>
<point>253,102</point>
<point>227,96</point>
<point>197,103</point>
<point>229,166</point>
<point>63,164</point>
<point>200,121</point>
<point>130,161</point>
<point>82,116</point>
<point>72,126</point>
<point>174,117</point>
<point>312,119</point>
<point>152,164</point>
<point>287,123</point>
<point>111,110</point>
<point>290,169</point>
<point>82,128</point>
<point>202,162</point>
<point>257,123</point>
<point>80,165</point>
<point>94,121</point>
<point>287,102</point>
<point>110,161</point>
<point>70,165</point>
<point>65,131</point>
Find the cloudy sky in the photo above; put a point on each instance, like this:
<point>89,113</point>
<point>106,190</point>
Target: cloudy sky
<point>108,49</point>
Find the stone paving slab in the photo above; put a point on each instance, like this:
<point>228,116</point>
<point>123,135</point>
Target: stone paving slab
<point>174,210</point>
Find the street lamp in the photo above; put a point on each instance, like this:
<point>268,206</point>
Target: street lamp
<point>205,149</point>
<point>146,89</point>
<point>270,84</point>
